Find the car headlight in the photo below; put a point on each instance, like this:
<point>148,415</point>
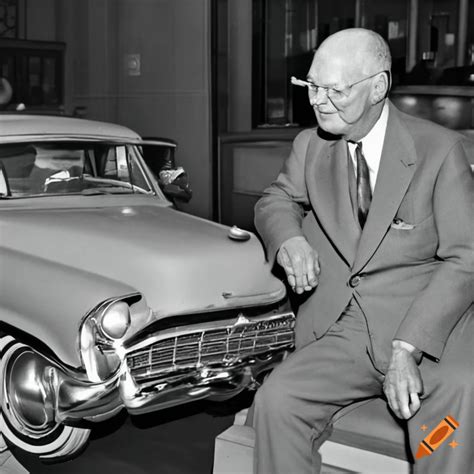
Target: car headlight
<point>104,330</point>
<point>115,320</point>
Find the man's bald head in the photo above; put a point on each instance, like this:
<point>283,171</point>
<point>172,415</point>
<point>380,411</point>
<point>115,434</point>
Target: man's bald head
<point>349,70</point>
<point>363,51</point>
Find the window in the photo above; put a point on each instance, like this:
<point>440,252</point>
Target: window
<point>287,32</point>
<point>285,36</point>
<point>35,72</point>
<point>72,168</point>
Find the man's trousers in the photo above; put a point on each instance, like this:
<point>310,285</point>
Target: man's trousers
<point>295,405</point>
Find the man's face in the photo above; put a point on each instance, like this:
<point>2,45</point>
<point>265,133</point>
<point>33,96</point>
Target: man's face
<point>339,114</point>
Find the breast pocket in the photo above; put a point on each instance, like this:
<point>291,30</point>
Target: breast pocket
<point>415,240</point>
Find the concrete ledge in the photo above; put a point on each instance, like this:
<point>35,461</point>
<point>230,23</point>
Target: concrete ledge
<point>233,454</point>
<point>9,465</point>
<point>358,460</point>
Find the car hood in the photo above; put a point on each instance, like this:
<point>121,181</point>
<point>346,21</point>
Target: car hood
<point>180,263</point>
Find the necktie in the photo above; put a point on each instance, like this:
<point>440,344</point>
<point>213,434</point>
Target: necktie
<point>364,193</point>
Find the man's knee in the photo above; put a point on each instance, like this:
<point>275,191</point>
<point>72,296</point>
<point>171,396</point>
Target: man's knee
<point>273,395</point>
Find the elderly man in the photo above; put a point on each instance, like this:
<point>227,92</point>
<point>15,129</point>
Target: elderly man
<point>372,220</point>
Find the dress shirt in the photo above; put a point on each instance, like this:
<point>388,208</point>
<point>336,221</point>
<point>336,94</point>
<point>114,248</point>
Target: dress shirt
<point>372,145</point>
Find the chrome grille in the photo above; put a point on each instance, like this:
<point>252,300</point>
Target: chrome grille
<point>222,345</point>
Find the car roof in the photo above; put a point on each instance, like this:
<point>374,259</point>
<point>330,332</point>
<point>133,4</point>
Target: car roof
<point>15,127</point>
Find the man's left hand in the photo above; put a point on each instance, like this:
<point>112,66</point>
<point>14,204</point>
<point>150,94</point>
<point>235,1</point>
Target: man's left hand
<point>403,382</point>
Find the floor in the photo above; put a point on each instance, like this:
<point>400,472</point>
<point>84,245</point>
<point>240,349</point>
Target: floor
<point>174,441</point>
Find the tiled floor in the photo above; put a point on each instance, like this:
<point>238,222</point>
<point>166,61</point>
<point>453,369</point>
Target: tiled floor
<point>175,441</point>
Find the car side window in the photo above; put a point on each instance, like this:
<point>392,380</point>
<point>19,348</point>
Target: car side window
<point>116,166</point>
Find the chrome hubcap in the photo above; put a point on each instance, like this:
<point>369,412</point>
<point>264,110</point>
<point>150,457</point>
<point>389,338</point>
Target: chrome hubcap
<point>28,398</point>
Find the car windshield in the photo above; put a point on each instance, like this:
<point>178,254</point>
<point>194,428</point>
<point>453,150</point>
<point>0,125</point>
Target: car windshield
<point>38,169</point>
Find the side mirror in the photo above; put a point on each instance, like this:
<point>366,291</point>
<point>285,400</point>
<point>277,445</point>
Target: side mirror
<point>175,184</point>
<point>173,192</point>
<point>159,156</point>
<point>4,187</point>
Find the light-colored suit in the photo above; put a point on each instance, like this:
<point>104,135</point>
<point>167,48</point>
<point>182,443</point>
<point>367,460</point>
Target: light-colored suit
<point>420,278</point>
<point>411,268</point>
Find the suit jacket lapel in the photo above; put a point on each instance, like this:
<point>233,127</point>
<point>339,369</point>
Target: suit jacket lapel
<point>396,170</point>
<point>328,187</point>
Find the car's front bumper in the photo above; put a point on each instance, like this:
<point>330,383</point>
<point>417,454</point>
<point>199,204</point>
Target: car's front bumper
<point>171,367</point>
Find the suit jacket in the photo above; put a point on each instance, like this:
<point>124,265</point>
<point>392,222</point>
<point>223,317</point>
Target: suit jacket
<point>414,279</point>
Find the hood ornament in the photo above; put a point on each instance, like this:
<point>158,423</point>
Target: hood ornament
<point>235,233</point>
<point>241,320</point>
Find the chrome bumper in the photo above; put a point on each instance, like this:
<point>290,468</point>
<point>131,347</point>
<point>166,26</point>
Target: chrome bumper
<point>173,367</point>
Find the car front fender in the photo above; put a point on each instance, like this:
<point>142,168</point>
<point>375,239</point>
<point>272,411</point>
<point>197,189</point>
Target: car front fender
<point>48,300</point>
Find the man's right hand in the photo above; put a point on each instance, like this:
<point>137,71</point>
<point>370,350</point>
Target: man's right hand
<point>300,262</point>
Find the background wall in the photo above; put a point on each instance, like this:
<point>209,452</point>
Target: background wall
<point>40,19</point>
<point>171,95</point>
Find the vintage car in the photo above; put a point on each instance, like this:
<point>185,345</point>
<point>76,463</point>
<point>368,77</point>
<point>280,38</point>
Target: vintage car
<point>110,298</point>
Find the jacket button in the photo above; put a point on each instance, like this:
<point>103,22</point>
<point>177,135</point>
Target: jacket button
<point>354,281</point>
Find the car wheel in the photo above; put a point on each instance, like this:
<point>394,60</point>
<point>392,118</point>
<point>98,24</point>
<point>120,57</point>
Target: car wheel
<point>27,420</point>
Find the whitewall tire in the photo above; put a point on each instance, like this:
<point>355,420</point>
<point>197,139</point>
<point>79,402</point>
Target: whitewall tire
<point>46,440</point>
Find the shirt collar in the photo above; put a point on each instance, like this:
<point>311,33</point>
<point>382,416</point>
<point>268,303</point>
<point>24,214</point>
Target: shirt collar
<point>372,143</point>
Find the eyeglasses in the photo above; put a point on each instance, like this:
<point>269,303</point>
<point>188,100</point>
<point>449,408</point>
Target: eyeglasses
<point>333,93</point>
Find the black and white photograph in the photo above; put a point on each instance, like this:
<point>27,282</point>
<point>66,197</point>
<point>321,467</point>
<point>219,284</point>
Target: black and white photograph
<point>237,236</point>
